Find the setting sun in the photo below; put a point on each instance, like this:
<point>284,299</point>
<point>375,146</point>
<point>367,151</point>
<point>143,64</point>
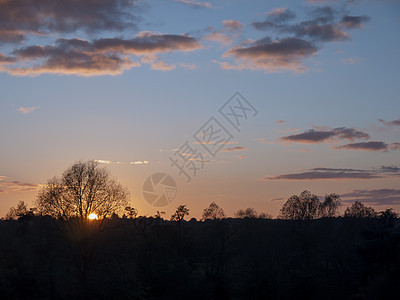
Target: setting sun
<point>93,216</point>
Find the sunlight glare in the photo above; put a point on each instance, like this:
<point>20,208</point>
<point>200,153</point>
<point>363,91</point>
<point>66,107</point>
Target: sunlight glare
<point>93,216</point>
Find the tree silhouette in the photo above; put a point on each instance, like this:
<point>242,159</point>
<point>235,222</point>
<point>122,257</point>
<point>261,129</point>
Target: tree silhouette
<point>330,207</point>
<point>21,211</point>
<point>180,213</point>
<point>213,212</point>
<point>302,207</point>
<point>246,213</point>
<point>131,211</point>
<point>84,188</point>
<point>359,210</point>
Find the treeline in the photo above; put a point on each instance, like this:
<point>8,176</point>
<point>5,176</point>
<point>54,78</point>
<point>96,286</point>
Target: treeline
<point>151,258</point>
<point>83,241</point>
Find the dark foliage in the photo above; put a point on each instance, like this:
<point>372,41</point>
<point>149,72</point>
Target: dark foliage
<point>249,258</point>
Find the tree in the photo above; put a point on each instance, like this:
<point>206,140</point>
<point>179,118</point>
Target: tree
<point>180,213</point>
<point>84,188</point>
<point>302,207</point>
<point>21,211</point>
<point>131,211</point>
<point>213,212</point>
<point>246,213</point>
<point>388,216</point>
<point>359,210</point>
<point>330,207</point>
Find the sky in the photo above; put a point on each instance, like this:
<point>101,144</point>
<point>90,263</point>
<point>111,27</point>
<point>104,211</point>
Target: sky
<point>242,103</point>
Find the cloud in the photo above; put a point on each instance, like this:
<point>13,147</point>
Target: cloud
<point>16,186</point>
<point>148,43</point>
<point>365,146</point>
<point>394,146</point>
<point>43,17</point>
<point>139,162</point>
<point>354,21</point>
<point>349,60</point>
<point>313,136</point>
<point>336,173</point>
<point>195,4</point>
<point>227,34</point>
<point>27,110</point>
<point>376,197</point>
<point>238,148</point>
<point>321,26</point>
<point>232,25</point>
<point>101,161</point>
<point>219,37</point>
<point>109,56</point>
<point>280,122</point>
<point>390,123</point>
<point>270,56</point>
<point>280,14</point>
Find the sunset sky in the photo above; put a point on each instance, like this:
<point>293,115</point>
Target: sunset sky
<point>129,82</point>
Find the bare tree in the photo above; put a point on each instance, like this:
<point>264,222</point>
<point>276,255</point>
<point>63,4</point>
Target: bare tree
<point>20,211</point>
<point>84,188</point>
<point>213,212</point>
<point>302,207</point>
<point>359,210</point>
<point>330,207</point>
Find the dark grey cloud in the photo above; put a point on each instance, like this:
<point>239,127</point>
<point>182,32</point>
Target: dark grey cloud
<point>377,197</point>
<point>321,26</point>
<point>22,17</point>
<point>339,173</point>
<point>390,123</point>
<point>268,55</point>
<point>313,175</point>
<point>366,146</point>
<point>318,136</point>
<point>354,21</point>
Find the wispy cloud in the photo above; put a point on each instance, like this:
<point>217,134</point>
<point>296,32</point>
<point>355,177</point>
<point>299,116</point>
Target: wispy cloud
<point>375,197</point>
<point>196,4</point>
<point>349,61</point>
<point>226,35</point>
<point>335,174</point>
<point>27,110</point>
<point>390,123</point>
<point>139,162</point>
<point>313,136</point>
<point>370,146</point>
<point>16,186</point>
<point>238,148</point>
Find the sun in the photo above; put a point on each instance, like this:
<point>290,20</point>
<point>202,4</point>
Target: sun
<point>93,216</point>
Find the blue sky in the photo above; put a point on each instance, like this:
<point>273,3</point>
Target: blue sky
<point>138,78</point>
